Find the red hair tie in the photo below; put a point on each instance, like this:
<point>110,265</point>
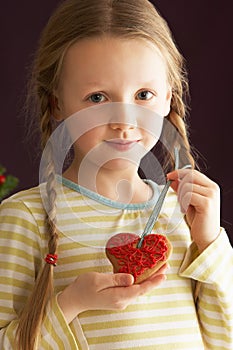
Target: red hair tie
<point>51,259</point>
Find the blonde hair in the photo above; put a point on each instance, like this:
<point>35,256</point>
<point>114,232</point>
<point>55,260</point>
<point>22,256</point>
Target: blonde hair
<point>72,21</point>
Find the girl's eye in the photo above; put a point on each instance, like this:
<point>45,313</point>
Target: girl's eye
<point>145,95</point>
<point>97,98</point>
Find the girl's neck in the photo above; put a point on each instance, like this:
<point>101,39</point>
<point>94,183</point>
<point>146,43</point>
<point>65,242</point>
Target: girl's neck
<point>124,186</point>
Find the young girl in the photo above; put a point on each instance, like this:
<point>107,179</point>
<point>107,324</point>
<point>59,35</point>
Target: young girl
<point>57,287</point>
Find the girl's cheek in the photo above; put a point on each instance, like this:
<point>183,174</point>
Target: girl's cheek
<point>149,141</point>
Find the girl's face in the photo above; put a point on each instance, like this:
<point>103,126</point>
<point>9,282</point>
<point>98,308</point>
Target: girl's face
<point>102,70</point>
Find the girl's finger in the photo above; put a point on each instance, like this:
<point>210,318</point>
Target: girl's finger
<point>191,199</point>
<point>190,175</point>
<point>192,181</point>
<point>187,189</point>
<point>120,297</point>
<point>116,280</point>
<point>150,283</point>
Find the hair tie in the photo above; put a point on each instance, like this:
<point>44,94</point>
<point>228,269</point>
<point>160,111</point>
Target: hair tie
<point>51,259</point>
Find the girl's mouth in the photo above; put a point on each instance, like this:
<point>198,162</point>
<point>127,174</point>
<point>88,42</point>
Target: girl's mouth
<point>122,145</point>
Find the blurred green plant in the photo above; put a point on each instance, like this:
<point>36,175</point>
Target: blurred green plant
<point>7,183</point>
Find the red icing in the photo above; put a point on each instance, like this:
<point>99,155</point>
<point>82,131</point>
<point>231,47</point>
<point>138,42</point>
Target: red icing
<point>133,260</point>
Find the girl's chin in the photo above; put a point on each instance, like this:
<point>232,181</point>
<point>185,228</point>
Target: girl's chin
<point>120,164</point>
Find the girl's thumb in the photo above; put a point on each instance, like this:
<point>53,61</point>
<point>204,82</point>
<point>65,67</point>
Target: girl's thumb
<point>122,279</point>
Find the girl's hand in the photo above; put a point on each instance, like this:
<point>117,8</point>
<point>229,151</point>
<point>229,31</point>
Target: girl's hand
<point>199,198</point>
<point>100,291</point>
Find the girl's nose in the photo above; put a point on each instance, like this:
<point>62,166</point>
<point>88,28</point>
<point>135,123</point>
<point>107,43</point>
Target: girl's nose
<point>124,118</point>
<point>122,126</point>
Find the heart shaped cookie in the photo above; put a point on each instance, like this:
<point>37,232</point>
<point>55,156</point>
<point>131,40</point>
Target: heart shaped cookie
<point>126,257</point>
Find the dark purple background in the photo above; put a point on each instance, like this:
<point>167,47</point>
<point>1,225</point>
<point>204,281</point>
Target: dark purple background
<point>203,33</point>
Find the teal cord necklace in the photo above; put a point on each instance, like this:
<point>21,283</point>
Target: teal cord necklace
<point>155,212</point>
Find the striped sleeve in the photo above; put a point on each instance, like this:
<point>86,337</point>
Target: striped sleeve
<point>21,249</point>
<point>213,271</point>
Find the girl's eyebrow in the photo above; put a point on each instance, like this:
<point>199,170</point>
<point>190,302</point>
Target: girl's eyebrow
<point>92,83</point>
<point>98,83</point>
<point>150,82</point>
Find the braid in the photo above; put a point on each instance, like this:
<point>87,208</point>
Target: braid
<point>179,138</point>
<point>177,117</point>
<point>176,136</point>
<point>46,125</point>
<point>51,205</point>
<point>32,315</point>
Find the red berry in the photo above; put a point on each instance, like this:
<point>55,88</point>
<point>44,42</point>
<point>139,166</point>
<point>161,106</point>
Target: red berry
<point>2,179</point>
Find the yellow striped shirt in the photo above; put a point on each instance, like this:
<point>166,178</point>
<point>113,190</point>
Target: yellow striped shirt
<point>166,318</point>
